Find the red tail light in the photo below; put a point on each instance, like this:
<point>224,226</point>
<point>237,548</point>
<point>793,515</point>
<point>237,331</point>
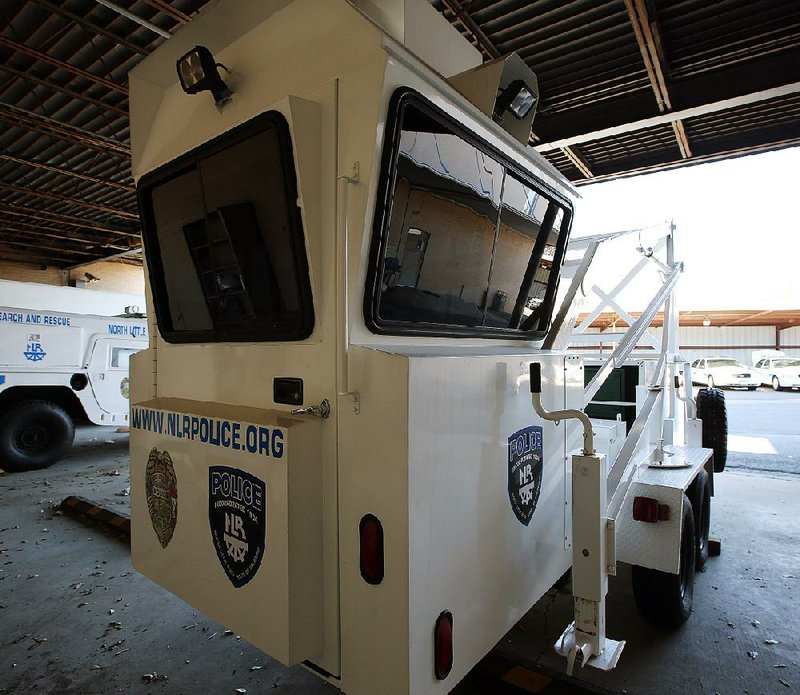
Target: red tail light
<point>370,532</point>
<point>648,509</point>
<point>443,645</point>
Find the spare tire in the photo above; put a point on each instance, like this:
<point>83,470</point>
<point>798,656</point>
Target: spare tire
<point>711,410</point>
<point>34,435</point>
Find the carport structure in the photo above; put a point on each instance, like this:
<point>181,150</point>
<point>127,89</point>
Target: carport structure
<point>627,86</point>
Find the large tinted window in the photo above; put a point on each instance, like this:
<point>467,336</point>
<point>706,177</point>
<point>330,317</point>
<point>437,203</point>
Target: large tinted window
<point>463,242</point>
<point>224,240</point>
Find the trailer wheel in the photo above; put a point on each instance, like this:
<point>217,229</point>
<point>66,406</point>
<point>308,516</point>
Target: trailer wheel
<point>711,410</point>
<point>701,504</point>
<point>665,599</point>
<point>34,435</point>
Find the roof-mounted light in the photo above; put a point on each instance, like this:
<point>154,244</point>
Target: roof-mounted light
<point>197,71</point>
<point>517,98</point>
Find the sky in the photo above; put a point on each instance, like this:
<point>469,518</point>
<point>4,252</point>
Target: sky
<point>737,229</point>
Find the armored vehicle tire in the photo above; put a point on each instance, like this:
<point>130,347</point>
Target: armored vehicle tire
<point>711,410</point>
<point>665,599</point>
<point>34,435</point>
<point>700,494</point>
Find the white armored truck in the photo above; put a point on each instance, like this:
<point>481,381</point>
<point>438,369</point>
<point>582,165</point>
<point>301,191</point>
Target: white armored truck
<point>358,438</point>
<point>56,367</point>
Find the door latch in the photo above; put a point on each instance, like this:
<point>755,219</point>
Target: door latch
<point>322,410</point>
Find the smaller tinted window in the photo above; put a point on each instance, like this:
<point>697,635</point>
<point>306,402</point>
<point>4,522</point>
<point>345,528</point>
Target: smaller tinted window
<point>120,357</point>
<point>224,240</point>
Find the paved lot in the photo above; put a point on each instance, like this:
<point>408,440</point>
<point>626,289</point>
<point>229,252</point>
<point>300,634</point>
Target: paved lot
<point>76,618</point>
<point>764,430</point>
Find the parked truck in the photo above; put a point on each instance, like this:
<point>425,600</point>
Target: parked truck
<point>56,368</point>
<point>358,434</point>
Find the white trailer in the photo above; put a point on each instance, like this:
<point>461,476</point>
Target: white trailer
<point>340,439</point>
<point>56,367</point>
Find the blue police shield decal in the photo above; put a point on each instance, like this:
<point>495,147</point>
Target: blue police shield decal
<point>525,472</point>
<point>237,504</point>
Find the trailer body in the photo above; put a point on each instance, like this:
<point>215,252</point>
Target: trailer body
<point>333,449</point>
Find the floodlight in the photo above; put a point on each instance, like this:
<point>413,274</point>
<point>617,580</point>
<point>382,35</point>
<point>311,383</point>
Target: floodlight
<point>516,98</point>
<point>197,71</point>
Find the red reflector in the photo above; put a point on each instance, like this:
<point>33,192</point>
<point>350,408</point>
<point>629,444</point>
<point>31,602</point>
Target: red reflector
<point>645,509</point>
<point>370,532</point>
<point>648,509</point>
<point>443,645</point>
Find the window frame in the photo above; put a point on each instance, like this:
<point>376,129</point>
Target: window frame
<point>380,227</point>
<point>187,162</point>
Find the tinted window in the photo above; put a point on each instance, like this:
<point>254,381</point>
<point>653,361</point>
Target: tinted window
<point>120,357</point>
<point>463,243</point>
<point>224,240</point>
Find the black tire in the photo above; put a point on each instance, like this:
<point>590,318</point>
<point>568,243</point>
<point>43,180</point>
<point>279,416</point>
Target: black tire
<point>664,599</point>
<point>34,435</point>
<point>776,384</point>
<point>751,388</point>
<point>700,494</point>
<point>711,410</point>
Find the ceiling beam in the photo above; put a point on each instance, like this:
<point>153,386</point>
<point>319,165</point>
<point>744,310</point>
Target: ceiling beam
<point>71,201</point>
<point>647,36</point>
<point>91,26</point>
<point>578,160</point>
<point>672,116</point>
<point>79,72</point>
<point>122,256</point>
<point>629,170</point>
<point>168,9</point>
<point>63,90</point>
<point>64,253</point>
<point>637,13</point>
<point>81,134</point>
<point>47,126</point>
<point>66,172</point>
<point>743,78</point>
<point>21,227</point>
<point>60,218</point>
<point>134,18</point>
<point>471,26</point>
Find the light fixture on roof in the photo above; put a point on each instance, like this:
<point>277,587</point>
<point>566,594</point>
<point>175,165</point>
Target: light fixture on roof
<point>502,87</point>
<point>197,71</point>
<point>707,321</point>
<point>517,99</point>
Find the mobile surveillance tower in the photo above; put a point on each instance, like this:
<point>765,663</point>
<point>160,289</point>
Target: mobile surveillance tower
<point>341,446</point>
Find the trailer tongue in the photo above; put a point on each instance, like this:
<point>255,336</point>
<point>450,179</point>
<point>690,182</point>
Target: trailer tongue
<point>354,266</point>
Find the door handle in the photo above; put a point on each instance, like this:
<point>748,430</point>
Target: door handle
<point>323,410</point>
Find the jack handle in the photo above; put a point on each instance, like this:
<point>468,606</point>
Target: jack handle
<point>557,415</point>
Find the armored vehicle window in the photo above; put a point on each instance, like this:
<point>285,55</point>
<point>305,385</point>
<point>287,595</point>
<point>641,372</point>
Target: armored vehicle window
<point>224,240</point>
<point>465,244</point>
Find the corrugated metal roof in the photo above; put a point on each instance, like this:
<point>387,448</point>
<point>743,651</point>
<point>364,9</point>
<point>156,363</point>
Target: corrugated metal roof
<point>66,195</point>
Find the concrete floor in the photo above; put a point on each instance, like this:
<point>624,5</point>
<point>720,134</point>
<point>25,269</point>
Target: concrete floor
<point>76,618</point>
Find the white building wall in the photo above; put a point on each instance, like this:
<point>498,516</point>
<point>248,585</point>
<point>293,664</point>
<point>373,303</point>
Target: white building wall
<point>75,300</point>
<point>790,341</point>
<point>738,342</point>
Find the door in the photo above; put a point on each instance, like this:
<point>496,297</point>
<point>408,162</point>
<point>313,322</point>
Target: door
<point>108,373</point>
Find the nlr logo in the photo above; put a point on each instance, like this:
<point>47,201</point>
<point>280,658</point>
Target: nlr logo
<point>525,472</point>
<point>34,352</point>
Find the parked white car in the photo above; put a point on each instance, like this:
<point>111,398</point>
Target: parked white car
<point>779,372</point>
<point>724,371</point>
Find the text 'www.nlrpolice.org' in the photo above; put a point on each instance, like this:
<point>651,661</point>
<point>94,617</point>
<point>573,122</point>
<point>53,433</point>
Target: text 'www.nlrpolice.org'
<point>239,436</point>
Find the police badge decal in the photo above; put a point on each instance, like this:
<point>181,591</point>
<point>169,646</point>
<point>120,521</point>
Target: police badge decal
<point>161,490</point>
<point>237,504</point>
<point>525,472</point>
